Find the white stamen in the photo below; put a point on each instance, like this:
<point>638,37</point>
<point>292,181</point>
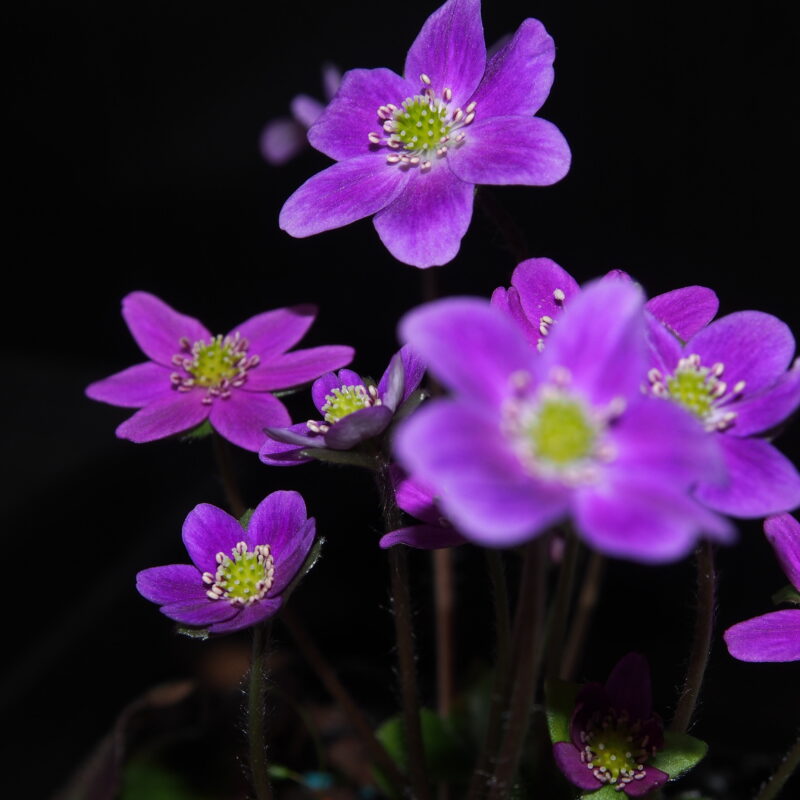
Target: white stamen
<point>425,79</point>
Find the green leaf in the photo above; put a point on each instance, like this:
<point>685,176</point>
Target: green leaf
<point>146,780</point>
<point>559,703</point>
<point>608,792</point>
<point>244,520</point>
<point>679,754</point>
<point>200,432</point>
<point>786,595</point>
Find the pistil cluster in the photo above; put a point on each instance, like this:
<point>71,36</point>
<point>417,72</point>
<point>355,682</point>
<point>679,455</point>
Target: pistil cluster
<point>242,578</point>
<point>422,127</point>
<point>218,365</point>
<point>699,389</point>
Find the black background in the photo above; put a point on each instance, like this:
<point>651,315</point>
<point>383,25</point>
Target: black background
<point>134,164</point>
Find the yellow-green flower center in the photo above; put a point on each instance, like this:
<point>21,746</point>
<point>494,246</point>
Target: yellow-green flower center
<point>215,361</point>
<point>346,399</point>
<point>561,432</point>
<point>420,124</point>
<point>615,748</point>
<point>611,753</point>
<point>243,577</point>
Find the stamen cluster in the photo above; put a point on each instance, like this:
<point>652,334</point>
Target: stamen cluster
<point>218,365</point>
<point>242,578</point>
<point>342,402</point>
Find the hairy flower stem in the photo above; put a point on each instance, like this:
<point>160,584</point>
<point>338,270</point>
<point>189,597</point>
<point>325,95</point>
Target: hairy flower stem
<point>701,642</point>
<point>785,770</point>
<point>330,680</point>
<point>224,459</point>
<point>554,646</point>
<point>584,611</point>
<point>502,674</point>
<point>527,641</point>
<point>404,634</point>
<point>259,768</point>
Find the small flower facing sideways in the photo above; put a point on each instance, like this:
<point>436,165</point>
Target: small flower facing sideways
<point>540,291</point>
<point>352,408</point>
<point>193,376</point>
<point>237,574</point>
<point>285,137</point>
<point>614,733</point>
<point>774,636</point>
<point>410,150</point>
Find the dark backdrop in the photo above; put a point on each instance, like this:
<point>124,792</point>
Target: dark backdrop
<point>134,164</point>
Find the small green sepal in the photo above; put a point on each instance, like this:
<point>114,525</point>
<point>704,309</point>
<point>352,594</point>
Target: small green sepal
<point>786,595</point>
<point>680,753</point>
<point>608,792</point>
<point>192,633</point>
<point>244,520</point>
<point>200,432</point>
<point>350,458</point>
<point>311,560</point>
<point>412,402</point>
<point>559,704</point>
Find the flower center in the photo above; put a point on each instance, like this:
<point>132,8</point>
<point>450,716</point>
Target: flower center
<point>555,434</point>
<point>217,365</point>
<point>346,399</point>
<point>698,389</point>
<point>422,127</point>
<point>243,577</point>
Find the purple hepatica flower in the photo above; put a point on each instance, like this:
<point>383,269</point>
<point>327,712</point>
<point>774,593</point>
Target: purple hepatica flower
<point>540,289</point>
<point>529,439</point>
<point>353,411</point>
<point>284,138</point>
<point>614,733</point>
<point>733,377</point>
<point>416,499</point>
<point>774,636</point>
<point>193,376</point>
<point>411,149</point>
<point>238,574</point>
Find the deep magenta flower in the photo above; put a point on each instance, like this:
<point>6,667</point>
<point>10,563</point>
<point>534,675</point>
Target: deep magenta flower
<point>237,574</point>
<point>540,290</point>
<point>529,439</point>
<point>614,733</point>
<point>774,636</point>
<point>418,500</point>
<point>352,408</point>
<point>736,376</point>
<point>193,376</point>
<point>283,138</point>
<point>411,149</point>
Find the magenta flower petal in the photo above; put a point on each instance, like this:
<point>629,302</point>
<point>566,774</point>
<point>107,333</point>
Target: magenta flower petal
<point>530,52</point>
<point>176,412</point>
<point>783,532</point>
<point>342,130</point>
<point>281,140</point>
<point>544,287</point>
<point>759,412</point>
<point>282,446</point>
<point>450,49</point>
<point>770,637</point>
<point>331,79</point>
<point>134,387</point>
<point>306,110</point>
<point>199,614</point>
<point>209,530</point>
<point>629,688</point>
<point>483,490</point>
<point>348,191</point>
<point>415,498</point>
<point>242,417</point>
<point>762,481</point>
<point>158,328</point>
<point>569,762</point>
<point>297,367</point>
<point>325,384</point>
<point>444,332</point>
<point>176,583</point>
<point>424,225</point>
<point>247,617</point>
<point>423,537</point>
<point>293,557</point>
<point>652,779</point>
<point>412,372</point>
<point>512,150</point>
<point>755,347</point>
<point>277,520</point>
<point>358,426</point>
<point>686,311</point>
<point>274,332</point>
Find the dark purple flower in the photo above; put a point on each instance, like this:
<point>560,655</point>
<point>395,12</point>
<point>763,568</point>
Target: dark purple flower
<point>416,499</point>
<point>540,289</point>
<point>411,149</point>
<point>736,376</point>
<point>283,138</point>
<point>529,439</point>
<point>353,410</point>
<point>237,574</point>
<point>774,636</point>
<point>614,733</point>
<point>193,376</point>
